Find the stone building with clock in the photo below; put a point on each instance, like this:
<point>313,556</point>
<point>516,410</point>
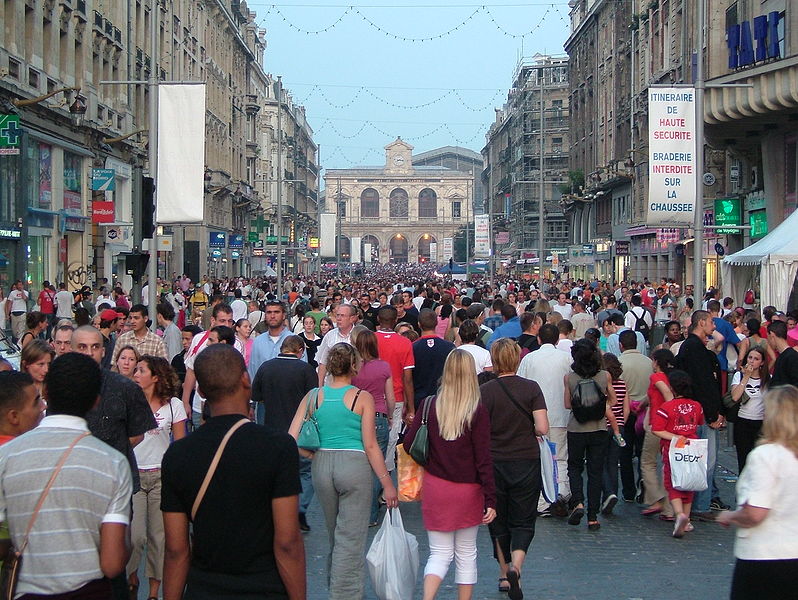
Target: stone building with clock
<point>406,210</point>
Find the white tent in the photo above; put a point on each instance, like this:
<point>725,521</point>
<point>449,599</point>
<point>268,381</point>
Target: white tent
<point>774,258</point>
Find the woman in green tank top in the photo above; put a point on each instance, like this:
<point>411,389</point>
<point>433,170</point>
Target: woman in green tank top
<point>342,470</point>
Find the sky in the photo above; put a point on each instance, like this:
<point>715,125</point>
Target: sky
<point>363,85</point>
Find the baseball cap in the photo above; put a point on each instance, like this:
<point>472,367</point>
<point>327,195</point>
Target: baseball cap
<point>109,314</point>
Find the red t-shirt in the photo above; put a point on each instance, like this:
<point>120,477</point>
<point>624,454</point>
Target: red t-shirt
<point>655,397</point>
<point>681,416</point>
<point>397,351</point>
<point>46,305</point>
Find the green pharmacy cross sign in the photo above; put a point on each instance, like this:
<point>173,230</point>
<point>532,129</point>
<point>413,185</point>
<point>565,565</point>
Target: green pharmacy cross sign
<point>10,134</point>
<point>259,224</point>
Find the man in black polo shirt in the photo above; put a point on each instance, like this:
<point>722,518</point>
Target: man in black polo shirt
<point>246,539</point>
<point>280,384</point>
<point>429,353</point>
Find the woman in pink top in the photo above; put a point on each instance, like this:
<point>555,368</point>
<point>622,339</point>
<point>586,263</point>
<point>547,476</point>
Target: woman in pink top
<point>244,340</point>
<point>374,376</point>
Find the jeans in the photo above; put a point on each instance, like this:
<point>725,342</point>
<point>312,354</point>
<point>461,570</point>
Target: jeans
<point>260,413</point>
<point>306,479</point>
<point>609,481</point>
<point>393,437</point>
<point>592,446</point>
<point>382,441</point>
<point>703,498</point>
<point>633,448</point>
<point>460,545</point>
<point>342,479</point>
<point>196,419</point>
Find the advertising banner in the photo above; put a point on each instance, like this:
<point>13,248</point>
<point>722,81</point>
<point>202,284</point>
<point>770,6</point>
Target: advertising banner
<point>355,246</point>
<point>672,168</point>
<point>448,248</point>
<point>481,236</point>
<point>328,226</point>
<point>181,153</point>
<point>367,252</point>
<point>433,251</point>
<point>236,240</point>
<point>102,212</point>
<point>217,239</point>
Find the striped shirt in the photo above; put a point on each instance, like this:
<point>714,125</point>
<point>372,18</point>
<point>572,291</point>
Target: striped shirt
<point>94,487</point>
<point>619,385</point>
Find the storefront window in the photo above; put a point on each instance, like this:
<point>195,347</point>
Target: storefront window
<point>37,262</point>
<point>7,249</point>
<point>72,201</point>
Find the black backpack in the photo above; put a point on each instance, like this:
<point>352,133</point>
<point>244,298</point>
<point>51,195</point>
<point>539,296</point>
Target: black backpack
<point>588,401</point>
<point>640,323</point>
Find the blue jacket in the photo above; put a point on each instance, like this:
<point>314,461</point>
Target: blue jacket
<point>510,329</point>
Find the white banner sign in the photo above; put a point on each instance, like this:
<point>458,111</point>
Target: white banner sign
<point>672,168</point>
<point>355,245</point>
<point>180,185</point>
<point>328,226</point>
<point>482,236</point>
<point>433,251</point>
<point>367,252</point>
<point>448,248</point>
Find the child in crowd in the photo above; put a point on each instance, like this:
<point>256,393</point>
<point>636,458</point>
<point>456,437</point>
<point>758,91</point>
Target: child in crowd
<point>677,418</point>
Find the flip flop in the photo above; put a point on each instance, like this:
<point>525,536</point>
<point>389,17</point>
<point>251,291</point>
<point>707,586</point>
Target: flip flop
<point>513,578</point>
<point>576,516</point>
<point>651,511</point>
<point>501,587</point>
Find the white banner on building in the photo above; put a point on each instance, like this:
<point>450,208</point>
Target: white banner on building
<point>482,236</point>
<point>448,248</point>
<point>180,185</point>
<point>367,252</point>
<point>672,168</point>
<point>433,251</point>
<point>327,242</point>
<point>355,245</point>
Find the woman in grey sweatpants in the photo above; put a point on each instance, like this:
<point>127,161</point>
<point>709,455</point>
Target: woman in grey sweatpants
<point>342,469</point>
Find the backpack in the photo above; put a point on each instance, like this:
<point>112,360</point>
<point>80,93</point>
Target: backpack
<point>749,297</point>
<point>588,402</point>
<point>640,324</point>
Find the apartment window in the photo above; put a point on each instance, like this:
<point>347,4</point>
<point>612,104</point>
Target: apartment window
<point>781,36</point>
<point>33,78</point>
<point>457,210</point>
<point>370,204</point>
<point>13,68</point>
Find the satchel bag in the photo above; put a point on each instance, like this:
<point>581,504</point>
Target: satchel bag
<point>12,565</point>
<point>309,438</point>
<point>419,449</point>
<point>731,408</point>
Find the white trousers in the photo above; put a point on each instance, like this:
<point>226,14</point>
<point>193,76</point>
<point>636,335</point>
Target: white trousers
<point>460,545</point>
<point>393,437</point>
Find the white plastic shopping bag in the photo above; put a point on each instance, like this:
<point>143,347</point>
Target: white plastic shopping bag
<point>688,459</point>
<point>393,559</point>
<point>548,469</point>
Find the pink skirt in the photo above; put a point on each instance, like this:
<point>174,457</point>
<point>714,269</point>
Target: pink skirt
<point>449,506</point>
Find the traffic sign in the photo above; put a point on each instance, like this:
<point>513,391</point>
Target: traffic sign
<point>10,135</point>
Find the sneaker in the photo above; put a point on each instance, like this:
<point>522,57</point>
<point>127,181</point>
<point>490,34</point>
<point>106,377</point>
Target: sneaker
<point>608,504</point>
<point>545,513</point>
<point>718,504</point>
<point>682,521</point>
<point>303,523</point>
<point>619,440</point>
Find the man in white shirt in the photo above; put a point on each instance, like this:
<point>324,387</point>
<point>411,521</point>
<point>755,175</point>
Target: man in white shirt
<point>345,319</point>
<point>637,312</point>
<point>17,308</point>
<point>562,306</point>
<point>239,306</point>
<point>63,302</point>
<point>548,367</point>
<point>468,332</point>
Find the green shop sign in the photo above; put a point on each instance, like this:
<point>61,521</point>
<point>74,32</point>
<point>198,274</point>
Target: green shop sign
<point>728,212</point>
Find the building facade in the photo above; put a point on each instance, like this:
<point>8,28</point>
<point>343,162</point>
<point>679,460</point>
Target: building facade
<point>527,143</point>
<point>402,211</point>
<point>73,51</point>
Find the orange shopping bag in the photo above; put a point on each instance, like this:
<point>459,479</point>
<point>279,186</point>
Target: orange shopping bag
<point>410,476</point>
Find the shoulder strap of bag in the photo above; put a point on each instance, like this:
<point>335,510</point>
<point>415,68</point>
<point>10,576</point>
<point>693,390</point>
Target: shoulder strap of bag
<point>214,463</point>
<point>425,412</point>
<point>313,399</point>
<point>47,488</point>
<point>514,401</point>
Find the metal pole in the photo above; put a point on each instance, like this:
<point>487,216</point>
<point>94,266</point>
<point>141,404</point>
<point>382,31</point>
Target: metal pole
<point>279,187</point>
<point>152,267</point>
<point>338,229</point>
<point>490,242</point>
<point>318,210</point>
<point>468,225</point>
<point>541,188</point>
<point>698,223</point>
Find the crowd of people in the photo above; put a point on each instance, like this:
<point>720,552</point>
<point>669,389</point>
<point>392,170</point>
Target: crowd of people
<point>169,417</point>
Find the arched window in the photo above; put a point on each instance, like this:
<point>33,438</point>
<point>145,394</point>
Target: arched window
<point>425,248</point>
<point>398,204</point>
<point>427,204</point>
<point>370,204</point>
<point>398,248</point>
<point>345,245</point>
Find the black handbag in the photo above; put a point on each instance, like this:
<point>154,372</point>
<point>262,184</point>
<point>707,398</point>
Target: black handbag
<point>419,449</point>
<point>732,408</point>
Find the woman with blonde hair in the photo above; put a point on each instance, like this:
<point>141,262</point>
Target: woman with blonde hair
<point>342,469</point>
<point>126,361</point>
<point>766,547</point>
<point>459,466</point>
<point>518,413</point>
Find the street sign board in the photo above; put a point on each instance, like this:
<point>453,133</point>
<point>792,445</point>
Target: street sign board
<point>253,236</point>
<point>10,134</point>
<point>103,180</point>
<point>236,240</point>
<point>728,212</point>
<point>217,239</point>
